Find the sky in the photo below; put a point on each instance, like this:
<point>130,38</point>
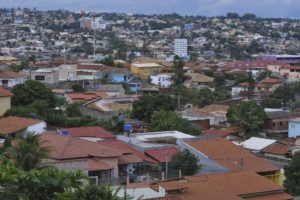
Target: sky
<point>262,8</point>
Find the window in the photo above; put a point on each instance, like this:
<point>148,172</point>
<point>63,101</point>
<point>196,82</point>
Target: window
<point>39,78</point>
<point>280,123</point>
<point>292,126</point>
<point>4,82</point>
<point>274,124</point>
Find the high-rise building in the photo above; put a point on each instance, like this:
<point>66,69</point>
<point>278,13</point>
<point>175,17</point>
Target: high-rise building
<point>181,47</point>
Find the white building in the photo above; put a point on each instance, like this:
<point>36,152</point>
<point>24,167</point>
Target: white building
<point>97,24</point>
<point>181,48</point>
<point>10,79</point>
<point>162,80</point>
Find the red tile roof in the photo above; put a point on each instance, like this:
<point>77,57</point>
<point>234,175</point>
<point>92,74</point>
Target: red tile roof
<point>231,156</point>
<point>161,155</point>
<point>129,159</point>
<point>10,75</point>
<point>126,148</point>
<point>12,124</point>
<point>66,147</point>
<point>86,96</point>
<point>277,148</point>
<point>219,133</point>
<point>5,93</point>
<point>245,184</point>
<point>95,164</point>
<point>91,131</point>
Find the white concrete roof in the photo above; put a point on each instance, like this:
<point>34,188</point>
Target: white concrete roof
<point>162,134</point>
<point>146,65</point>
<point>258,144</point>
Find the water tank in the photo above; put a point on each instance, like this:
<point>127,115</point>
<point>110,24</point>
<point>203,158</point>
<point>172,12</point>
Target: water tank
<point>65,132</point>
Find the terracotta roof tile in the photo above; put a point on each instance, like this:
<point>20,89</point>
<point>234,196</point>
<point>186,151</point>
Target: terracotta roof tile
<point>90,131</point>
<point>244,184</point>
<point>277,148</point>
<point>12,124</point>
<point>95,164</point>
<point>5,93</point>
<point>10,75</point>
<point>161,155</point>
<point>219,133</point>
<point>231,156</point>
<point>66,147</point>
<point>126,148</point>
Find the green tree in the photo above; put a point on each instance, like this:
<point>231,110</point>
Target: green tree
<point>271,103</point>
<point>292,174</point>
<point>219,80</point>
<point>148,104</point>
<point>248,116</point>
<point>186,162</point>
<point>178,65</point>
<point>109,61</point>
<point>31,90</point>
<point>283,93</point>
<point>28,152</point>
<point>170,121</point>
<point>77,88</point>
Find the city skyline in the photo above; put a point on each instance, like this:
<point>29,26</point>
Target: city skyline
<point>265,8</point>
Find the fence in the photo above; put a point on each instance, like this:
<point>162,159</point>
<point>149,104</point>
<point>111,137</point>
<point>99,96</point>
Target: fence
<point>145,178</point>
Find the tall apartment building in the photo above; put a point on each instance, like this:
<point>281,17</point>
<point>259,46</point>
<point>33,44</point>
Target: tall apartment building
<point>181,47</point>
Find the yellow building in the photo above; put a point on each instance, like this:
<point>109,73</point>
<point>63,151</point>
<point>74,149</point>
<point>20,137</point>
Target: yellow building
<point>144,70</point>
<point>5,100</point>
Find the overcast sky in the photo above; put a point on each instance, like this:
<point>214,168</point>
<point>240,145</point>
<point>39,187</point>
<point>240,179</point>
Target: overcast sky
<point>263,8</point>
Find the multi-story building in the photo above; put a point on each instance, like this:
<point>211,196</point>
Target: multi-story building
<point>181,48</point>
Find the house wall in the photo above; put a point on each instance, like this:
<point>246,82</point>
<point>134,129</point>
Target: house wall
<point>294,129</point>
<point>235,91</point>
<point>112,162</point>
<point>290,76</point>
<point>37,128</point>
<point>274,68</point>
<point>162,81</point>
<point>67,72</point>
<point>12,82</point>
<point>5,104</point>
<point>50,77</point>
<point>70,165</point>
<point>144,71</point>
<point>279,125</point>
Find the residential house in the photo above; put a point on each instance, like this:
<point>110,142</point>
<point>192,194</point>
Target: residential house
<point>92,133</point>
<point>216,114</point>
<point>294,128</point>
<point>12,126</point>
<point>112,89</point>
<point>267,85</point>
<point>10,79</point>
<point>162,80</point>
<point>220,155</point>
<point>199,81</point>
<point>144,70</point>
<point>112,103</point>
<point>46,75</point>
<point>67,72</point>
<point>91,73</point>
<point>5,100</point>
<point>237,90</point>
<point>84,97</point>
<point>291,73</point>
<point>278,121</point>
<point>226,186</point>
<point>104,162</point>
<point>162,155</point>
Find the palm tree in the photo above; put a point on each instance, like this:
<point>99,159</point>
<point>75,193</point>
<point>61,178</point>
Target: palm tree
<point>248,116</point>
<point>28,152</point>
